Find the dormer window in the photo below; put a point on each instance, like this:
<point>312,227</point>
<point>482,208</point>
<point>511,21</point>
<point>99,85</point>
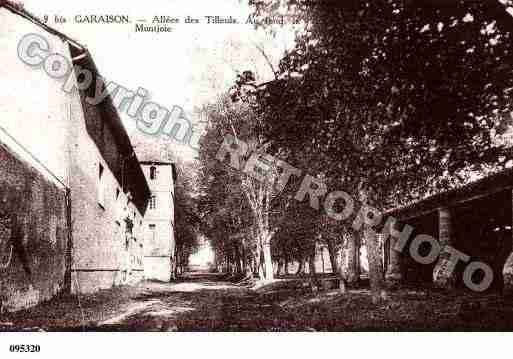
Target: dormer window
<point>153,172</point>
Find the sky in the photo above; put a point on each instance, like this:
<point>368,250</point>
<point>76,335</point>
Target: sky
<point>187,67</point>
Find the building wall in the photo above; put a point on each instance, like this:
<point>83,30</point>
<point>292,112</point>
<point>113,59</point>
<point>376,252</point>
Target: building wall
<point>104,254</point>
<point>33,234</point>
<point>51,124</point>
<point>34,108</point>
<point>33,222</point>
<point>159,247</point>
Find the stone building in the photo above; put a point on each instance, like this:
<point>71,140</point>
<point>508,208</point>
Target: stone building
<point>73,193</point>
<point>475,219</point>
<point>159,253</point>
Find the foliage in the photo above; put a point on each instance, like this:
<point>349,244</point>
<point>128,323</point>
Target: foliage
<point>414,92</point>
<point>389,100</point>
<point>187,222</point>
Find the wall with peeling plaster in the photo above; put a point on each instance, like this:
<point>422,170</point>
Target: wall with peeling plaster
<point>32,234</point>
<point>59,130</point>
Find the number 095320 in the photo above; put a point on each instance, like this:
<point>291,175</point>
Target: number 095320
<point>24,348</point>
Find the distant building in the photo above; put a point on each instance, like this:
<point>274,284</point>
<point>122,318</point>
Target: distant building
<point>72,192</point>
<point>159,253</point>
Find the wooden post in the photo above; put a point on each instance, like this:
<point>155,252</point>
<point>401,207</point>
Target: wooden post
<point>441,276</point>
<point>507,271</point>
<point>393,274</point>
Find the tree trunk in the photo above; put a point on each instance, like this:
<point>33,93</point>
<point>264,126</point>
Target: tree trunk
<point>238,262</point>
<point>259,266</point>
<point>268,263</point>
<point>339,255</point>
<point>300,267</point>
<point>172,267</point>
<point>341,258</point>
<point>175,262</point>
<point>286,266</point>
<point>178,251</point>
<point>253,265</point>
<point>375,265</point>
<point>311,266</point>
<point>279,267</point>
<point>244,259</point>
<point>248,268</point>
<point>322,260</point>
<point>353,256</point>
<point>314,283</point>
<point>333,253</point>
<point>228,264</point>
<point>215,265</point>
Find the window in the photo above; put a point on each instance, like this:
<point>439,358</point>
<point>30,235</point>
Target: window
<point>153,232</point>
<point>153,172</point>
<point>101,186</point>
<point>153,202</point>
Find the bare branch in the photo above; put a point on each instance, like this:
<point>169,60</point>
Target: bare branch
<point>259,48</point>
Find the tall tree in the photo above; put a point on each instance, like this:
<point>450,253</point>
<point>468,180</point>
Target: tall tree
<point>394,98</point>
<point>186,221</point>
<point>255,197</point>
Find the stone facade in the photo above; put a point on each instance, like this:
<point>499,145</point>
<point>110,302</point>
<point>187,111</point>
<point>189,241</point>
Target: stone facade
<point>65,159</point>
<point>33,234</point>
<point>107,236</point>
<point>159,221</point>
<point>33,226</point>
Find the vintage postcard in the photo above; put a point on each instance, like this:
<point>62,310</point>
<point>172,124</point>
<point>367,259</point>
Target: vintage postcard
<point>254,166</point>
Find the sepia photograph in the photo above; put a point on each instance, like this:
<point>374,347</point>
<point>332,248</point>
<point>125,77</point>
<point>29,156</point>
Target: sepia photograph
<point>254,166</point>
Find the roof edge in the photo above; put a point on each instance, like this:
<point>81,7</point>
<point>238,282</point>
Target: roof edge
<point>20,10</point>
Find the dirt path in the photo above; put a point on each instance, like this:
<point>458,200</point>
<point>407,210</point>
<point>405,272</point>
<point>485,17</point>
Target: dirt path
<point>204,302</point>
<point>199,303</point>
